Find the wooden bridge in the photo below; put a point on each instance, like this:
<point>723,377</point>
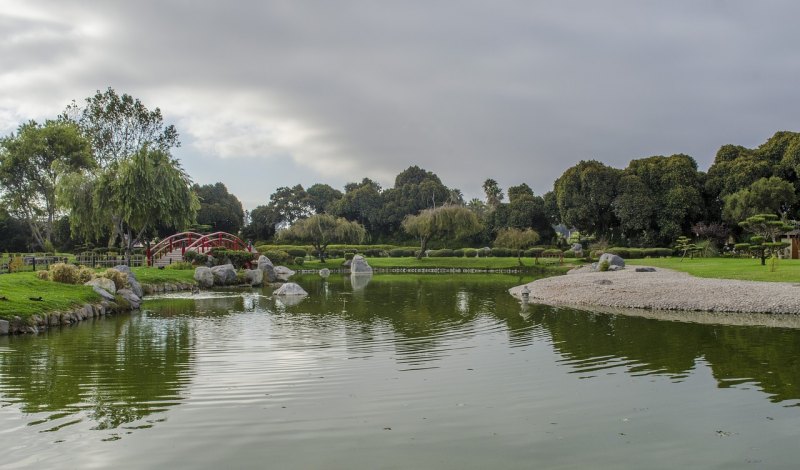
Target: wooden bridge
<point>171,249</point>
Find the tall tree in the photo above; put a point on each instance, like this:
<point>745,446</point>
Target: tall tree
<point>290,204</point>
<point>444,222</point>
<point>322,197</point>
<point>219,209</point>
<point>322,229</point>
<point>494,195</point>
<point>119,126</point>
<point>362,202</point>
<point>516,239</point>
<point>32,163</point>
<point>766,195</point>
<point>585,194</point>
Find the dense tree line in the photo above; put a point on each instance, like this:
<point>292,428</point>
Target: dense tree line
<point>102,173</point>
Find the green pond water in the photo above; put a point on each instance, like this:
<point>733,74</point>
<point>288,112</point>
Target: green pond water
<point>424,371</point>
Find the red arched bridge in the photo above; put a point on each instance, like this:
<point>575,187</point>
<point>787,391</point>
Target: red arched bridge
<point>172,248</point>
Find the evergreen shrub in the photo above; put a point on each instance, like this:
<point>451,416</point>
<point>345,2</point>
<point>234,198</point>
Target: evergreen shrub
<point>470,252</point>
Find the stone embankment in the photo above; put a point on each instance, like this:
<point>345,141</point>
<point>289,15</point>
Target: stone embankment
<point>662,289</point>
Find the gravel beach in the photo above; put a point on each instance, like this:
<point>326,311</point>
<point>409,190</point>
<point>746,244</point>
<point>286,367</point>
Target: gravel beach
<point>663,289</point>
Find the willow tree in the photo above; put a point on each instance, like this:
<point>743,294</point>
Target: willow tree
<point>145,191</point>
<point>516,239</point>
<point>320,230</point>
<point>445,222</point>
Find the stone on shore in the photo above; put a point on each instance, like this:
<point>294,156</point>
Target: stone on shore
<point>136,287</point>
<point>613,260</point>
<point>3,327</point>
<point>131,297</point>
<point>254,277</point>
<point>290,288</point>
<point>645,269</point>
<point>224,275</point>
<point>104,284</point>
<point>104,293</point>
<point>283,273</point>
<point>204,277</point>
<point>359,265</point>
<point>266,267</point>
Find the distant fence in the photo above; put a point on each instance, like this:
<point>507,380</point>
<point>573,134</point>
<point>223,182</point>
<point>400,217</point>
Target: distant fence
<point>92,260</point>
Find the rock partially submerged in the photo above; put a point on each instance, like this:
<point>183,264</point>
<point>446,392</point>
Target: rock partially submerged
<point>266,267</point>
<point>131,297</point>
<point>359,265</point>
<point>283,273</point>
<point>324,272</point>
<point>224,275</point>
<point>254,277</point>
<point>290,288</point>
<point>132,281</point>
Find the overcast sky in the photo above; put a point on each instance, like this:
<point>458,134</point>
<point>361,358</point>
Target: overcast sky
<point>274,93</point>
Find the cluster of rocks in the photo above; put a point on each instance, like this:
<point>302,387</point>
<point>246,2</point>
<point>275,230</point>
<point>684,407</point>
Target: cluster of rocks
<point>615,263</point>
<point>132,293</point>
<point>226,275</point>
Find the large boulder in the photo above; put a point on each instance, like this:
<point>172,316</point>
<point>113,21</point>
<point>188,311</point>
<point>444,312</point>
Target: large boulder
<point>359,265</point>
<point>290,288</point>
<point>266,267</point>
<point>613,260</point>
<point>132,281</point>
<point>254,277</point>
<point>104,284</point>
<point>324,272</point>
<point>104,293</point>
<point>224,275</point>
<point>204,277</point>
<point>131,297</point>
<point>283,273</point>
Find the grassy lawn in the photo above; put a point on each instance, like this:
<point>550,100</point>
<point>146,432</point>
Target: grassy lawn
<point>18,287</point>
<point>788,270</point>
<point>433,263</point>
<point>159,276</point>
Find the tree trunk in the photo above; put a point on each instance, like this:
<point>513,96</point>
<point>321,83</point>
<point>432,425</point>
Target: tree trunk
<point>423,246</point>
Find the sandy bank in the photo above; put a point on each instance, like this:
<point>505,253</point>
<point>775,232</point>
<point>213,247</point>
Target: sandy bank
<point>663,289</point>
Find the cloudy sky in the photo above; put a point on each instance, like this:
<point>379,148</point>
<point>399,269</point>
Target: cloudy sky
<point>272,93</point>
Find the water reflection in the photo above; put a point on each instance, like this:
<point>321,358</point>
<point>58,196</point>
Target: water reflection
<point>113,372</point>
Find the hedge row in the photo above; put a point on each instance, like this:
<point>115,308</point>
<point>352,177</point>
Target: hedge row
<point>634,253</point>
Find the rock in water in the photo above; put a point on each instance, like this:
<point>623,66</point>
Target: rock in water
<point>204,277</point>
<point>283,273</point>
<point>224,275</point>
<point>254,277</point>
<point>132,281</point>
<point>131,297</point>
<point>324,272</point>
<point>359,265</point>
<point>290,288</point>
<point>613,260</point>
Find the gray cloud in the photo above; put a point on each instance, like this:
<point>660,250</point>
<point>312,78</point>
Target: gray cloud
<point>275,93</point>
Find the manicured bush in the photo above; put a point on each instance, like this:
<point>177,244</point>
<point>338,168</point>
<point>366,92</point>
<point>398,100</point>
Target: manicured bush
<point>551,252</point>
<point>195,257</point>
<point>277,256</point>
<point>238,258</point>
<point>569,254</point>
<point>458,253</point>
<point>533,252</point>
<point>635,253</point>
<point>64,273</point>
<point>296,252</point>
<point>619,251</point>
<point>470,252</point>
<point>299,260</point>
<point>397,253</point>
<point>502,252</point>
<point>443,253</point>
<point>349,255</point>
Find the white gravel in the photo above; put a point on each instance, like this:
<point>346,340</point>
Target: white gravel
<point>663,290</point>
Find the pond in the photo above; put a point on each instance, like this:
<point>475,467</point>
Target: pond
<point>397,371</point>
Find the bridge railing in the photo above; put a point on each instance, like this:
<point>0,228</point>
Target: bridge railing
<point>196,242</point>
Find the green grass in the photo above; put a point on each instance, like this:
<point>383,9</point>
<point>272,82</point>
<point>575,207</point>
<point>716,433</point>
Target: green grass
<point>788,270</point>
<point>159,276</point>
<point>435,263</point>
<point>18,287</point>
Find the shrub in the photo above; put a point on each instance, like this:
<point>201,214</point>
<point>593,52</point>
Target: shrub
<point>502,252</point>
<point>180,266</point>
<point>16,264</point>
<point>603,266</point>
<point>239,258</point>
<point>374,252</point>
<point>119,278</point>
<point>296,252</point>
<point>635,253</point>
<point>443,253</point>
<point>552,252</point>
<point>470,252</point>
<point>349,255</point>
<point>195,257</point>
<point>397,253</point>
<point>569,254</point>
<point>534,252</point>
<point>458,253</point>
<point>43,275</point>
<point>85,274</point>
<point>276,256</point>
<point>619,251</point>
<point>299,260</point>
<point>64,273</point>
